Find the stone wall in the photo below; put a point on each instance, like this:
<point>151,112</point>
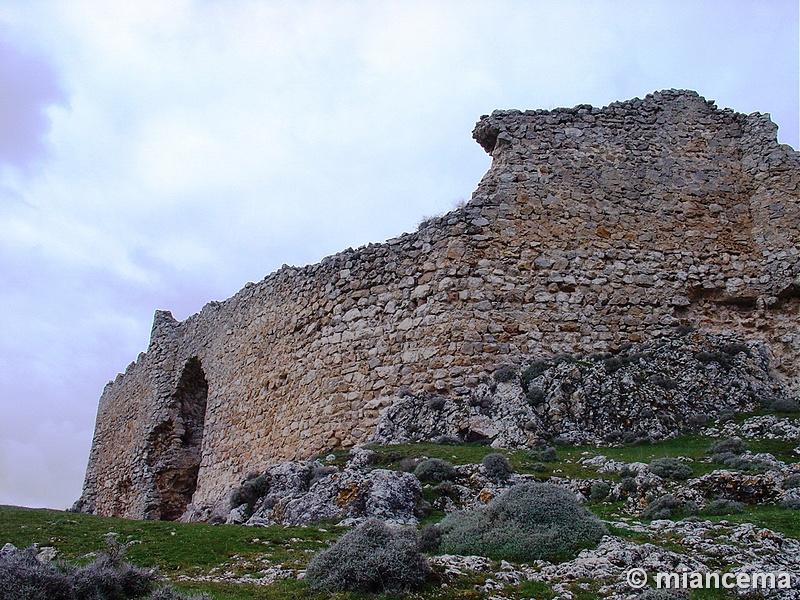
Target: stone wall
<point>593,228</point>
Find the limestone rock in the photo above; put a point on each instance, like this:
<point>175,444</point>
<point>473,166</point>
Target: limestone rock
<point>350,494</point>
<point>653,391</point>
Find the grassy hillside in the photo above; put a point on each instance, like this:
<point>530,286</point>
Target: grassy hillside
<point>220,560</point>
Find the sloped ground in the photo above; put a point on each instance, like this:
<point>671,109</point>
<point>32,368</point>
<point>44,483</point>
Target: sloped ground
<point>616,483</point>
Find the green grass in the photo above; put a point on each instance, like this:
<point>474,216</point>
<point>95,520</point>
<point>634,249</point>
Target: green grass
<point>175,548</point>
<point>195,549</point>
<point>768,516</point>
<point>462,454</point>
<point>694,446</point>
<point>198,549</point>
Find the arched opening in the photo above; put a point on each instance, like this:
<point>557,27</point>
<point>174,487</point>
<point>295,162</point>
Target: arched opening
<point>178,443</point>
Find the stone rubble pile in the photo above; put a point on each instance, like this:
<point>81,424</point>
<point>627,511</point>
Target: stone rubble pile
<point>651,391</point>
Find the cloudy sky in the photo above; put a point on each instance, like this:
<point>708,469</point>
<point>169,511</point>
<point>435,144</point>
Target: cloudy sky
<point>159,154</point>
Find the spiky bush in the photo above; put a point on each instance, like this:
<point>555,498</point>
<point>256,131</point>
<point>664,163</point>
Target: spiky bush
<point>374,557</point>
<point>435,469</point>
<point>23,577</point>
<point>670,468</point>
<point>109,577</point>
<point>530,521</point>
<point>496,466</point>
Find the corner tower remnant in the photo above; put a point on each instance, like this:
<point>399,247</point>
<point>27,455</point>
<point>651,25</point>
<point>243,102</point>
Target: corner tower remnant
<point>593,228</point>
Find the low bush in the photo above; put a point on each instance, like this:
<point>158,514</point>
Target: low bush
<point>543,454</point>
<point>791,502</point>
<point>734,349</point>
<point>628,485</point>
<point>732,445</point>
<point>505,374</point>
<point>670,468</point>
<point>22,577</point>
<point>792,482</point>
<point>697,421</point>
<point>448,489</point>
<point>320,472</point>
<point>409,465</point>
<point>664,383</point>
<point>533,371</point>
<point>637,438</point>
<point>740,463</point>
<point>724,506</point>
<point>668,507</point>
<point>599,490</point>
<point>109,577</point>
<point>721,358</point>
<point>436,402</point>
<point>785,405</point>
<point>496,467</point>
<point>447,440</point>
<point>170,594</point>
<point>535,395</point>
<point>732,454</point>
<point>435,469</point>
<point>252,488</point>
<point>530,521</point>
<point>484,402</point>
<point>613,364</point>
<point>372,558</point>
<point>430,538</point>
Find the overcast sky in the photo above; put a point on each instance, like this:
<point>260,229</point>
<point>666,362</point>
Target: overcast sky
<point>159,154</point>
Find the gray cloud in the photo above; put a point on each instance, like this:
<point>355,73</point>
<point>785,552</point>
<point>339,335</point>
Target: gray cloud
<point>28,86</point>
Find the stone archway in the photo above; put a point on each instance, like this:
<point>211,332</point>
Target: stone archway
<point>179,442</point>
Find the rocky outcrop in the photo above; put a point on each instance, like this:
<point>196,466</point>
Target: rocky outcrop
<point>306,492</point>
<point>703,547</point>
<point>652,391</point>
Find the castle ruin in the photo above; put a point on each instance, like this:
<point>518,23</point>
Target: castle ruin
<point>593,228</point>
